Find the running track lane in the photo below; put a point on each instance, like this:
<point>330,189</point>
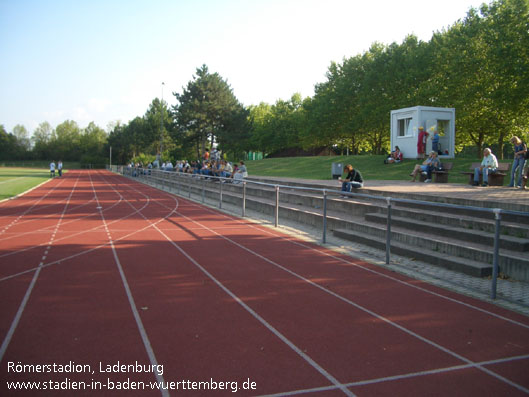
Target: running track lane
<point>219,298</point>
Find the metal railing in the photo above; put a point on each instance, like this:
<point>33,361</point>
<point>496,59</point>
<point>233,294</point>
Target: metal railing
<point>183,183</point>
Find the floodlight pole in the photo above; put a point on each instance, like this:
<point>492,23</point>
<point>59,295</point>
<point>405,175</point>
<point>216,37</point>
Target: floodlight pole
<point>161,124</point>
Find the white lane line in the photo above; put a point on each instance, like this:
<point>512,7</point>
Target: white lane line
<point>137,318</point>
<point>21,308</point>
<point>30,208</point>
<point>278,334</point>
<point>269,326</point>
<point>370,312</point>
<point>294,241</point>
<point>398,377</point>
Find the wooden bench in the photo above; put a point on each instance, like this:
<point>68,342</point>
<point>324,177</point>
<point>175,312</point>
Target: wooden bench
<point>439,176</point>
<point>495,179</point>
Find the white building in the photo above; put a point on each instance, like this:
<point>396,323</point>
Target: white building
<point>405,131</point>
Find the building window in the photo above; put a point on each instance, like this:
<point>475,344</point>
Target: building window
<point>404,127</point>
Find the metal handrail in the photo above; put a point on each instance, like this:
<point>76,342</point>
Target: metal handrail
<point>497,212</point>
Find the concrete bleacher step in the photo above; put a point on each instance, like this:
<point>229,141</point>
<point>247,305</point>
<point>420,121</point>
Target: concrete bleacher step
<point>349,215</point>
<point>463,265</point>
<point>478,236</point>
<point>459,220</point>
<point>514,264</point>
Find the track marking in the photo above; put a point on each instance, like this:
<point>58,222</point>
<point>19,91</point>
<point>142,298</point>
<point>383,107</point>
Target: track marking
<point>349,262</point>
<point>137,318</point>
<point>30,208</point>
<point>397,377</point>
<point>20,311</point>
<point>370,312</point>
<point>278,334</point>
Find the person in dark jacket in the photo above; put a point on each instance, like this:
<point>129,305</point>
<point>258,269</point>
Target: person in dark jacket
<point>352,180</point>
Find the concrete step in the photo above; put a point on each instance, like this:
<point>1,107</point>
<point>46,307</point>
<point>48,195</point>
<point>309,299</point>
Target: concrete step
<point>348,214</point>
<point>478,236</point>
<point>515,265</point>
<point>473,268</point>
<point>463,221</point>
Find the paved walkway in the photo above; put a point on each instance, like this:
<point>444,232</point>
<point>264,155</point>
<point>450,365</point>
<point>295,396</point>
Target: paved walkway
<point>501,197</point>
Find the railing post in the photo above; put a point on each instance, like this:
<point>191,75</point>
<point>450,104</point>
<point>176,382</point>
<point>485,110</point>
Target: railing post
<point>324,237</point>
<point>220,193</point>
<point>203,190</point>
<point>388,232</point>
<point>189,187</point>
<point>244,199</point>
<point>277,207</point>
<point>495,260</point>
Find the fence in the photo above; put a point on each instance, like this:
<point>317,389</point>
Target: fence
<point>184,183</point>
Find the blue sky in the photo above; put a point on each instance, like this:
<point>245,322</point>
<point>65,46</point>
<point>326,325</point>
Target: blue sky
<point>105,60</point>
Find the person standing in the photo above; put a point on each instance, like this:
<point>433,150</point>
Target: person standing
<point>59,167</point>
<point>52,169</point>
<point>520,149</point>
<point>489,165</point>
<point>435,142</point>
<point>421,143</point>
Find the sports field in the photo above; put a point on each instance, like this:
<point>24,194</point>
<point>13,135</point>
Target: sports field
<point>114,288</point>
<point>14,181</point>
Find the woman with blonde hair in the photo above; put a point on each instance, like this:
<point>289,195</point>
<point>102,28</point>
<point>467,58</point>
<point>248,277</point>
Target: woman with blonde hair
<point>520,149</point>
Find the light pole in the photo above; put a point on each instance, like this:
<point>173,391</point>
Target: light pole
<point>161,126</point>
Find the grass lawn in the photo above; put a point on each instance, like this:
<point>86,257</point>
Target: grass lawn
<point>372,167</point>
<point>14,181</point>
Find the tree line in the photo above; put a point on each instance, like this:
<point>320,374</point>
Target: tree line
<point>479,66</point>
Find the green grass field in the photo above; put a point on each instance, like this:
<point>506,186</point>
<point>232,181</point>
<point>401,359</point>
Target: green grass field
<point>14,181</point>
<point>372,167</point>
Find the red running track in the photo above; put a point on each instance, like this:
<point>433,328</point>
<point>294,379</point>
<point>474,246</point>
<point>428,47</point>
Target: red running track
<point>111,287</point>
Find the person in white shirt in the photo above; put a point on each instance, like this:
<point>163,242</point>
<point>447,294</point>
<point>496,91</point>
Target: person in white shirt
<point>59,167</point>
<point>52,169</point>
<point>489,165</point>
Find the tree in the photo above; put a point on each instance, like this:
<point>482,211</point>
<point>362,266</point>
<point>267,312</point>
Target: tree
<point>22,136</point>
<point>207,110</point>
<point>158,124</point>
<point>9,149</point>
<point>65,141</point>
<point>41,140</point>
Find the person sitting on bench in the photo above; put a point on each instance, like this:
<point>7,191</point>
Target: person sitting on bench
<point>489,165</point>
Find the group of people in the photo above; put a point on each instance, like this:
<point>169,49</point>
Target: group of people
<point>489,165</point>
<point>211,169</point>
<point>431,163</point>
<point>222,169</point>
<point>53,167</point>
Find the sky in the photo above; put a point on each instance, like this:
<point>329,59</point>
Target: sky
<point>105,60</point>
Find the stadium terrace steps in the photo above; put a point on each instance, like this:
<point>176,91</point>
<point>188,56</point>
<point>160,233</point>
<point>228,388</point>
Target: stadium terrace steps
<point>452,238</point>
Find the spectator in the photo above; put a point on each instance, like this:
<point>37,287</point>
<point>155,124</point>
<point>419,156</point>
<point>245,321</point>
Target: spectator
<point>52,169</point>
<point>352,180</point>
<point>228,169</point>
<point>421,143</point>
<point>520,149</point>
<point>435,142</point>
<point>489,165</point>
<point>426,167</point>
<point>169,166</point>
<point>241,173</point>
<point>395,156</point>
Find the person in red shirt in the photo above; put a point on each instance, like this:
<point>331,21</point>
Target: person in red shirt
<point>421,142</point>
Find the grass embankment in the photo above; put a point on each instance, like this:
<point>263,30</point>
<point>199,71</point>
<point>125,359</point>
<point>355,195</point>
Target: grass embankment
<point>14,181</point>
<point>372,167</point>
